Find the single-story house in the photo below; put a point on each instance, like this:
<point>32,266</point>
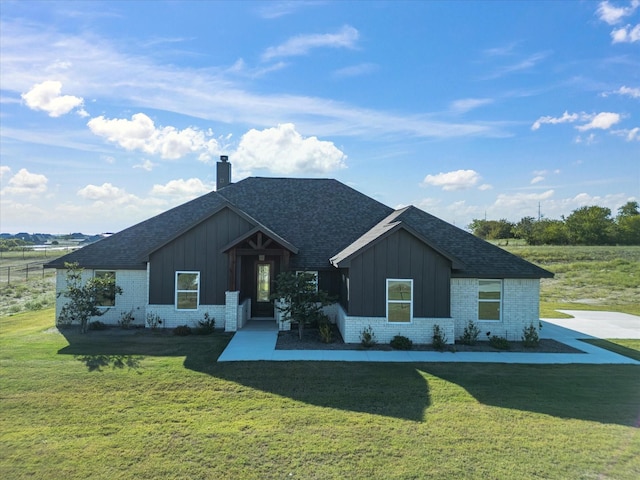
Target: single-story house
<point>399,272</point>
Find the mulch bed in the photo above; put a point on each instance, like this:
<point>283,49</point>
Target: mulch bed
<point>311,340</point>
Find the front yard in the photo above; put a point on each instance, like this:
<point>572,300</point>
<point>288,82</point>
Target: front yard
<point>158,406</point>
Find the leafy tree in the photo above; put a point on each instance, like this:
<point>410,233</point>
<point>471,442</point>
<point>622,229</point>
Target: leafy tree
<point>549,232</point>
<point>524,229</point>
<point>590,226</point>
<point>85,298</point>
<point>629,209</point>
<point>492,229</point>
<point>628,230</point>
<point>300,300</point>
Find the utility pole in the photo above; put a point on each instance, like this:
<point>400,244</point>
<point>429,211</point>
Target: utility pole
<point>539,216</point>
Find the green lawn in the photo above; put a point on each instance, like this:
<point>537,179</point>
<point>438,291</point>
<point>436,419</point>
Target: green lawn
<point>144,405</point>
<point>586,278</point>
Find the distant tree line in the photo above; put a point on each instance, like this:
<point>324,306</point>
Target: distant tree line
<point>584,226</point>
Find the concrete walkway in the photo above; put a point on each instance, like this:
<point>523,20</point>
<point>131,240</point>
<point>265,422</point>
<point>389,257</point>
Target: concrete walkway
<point>257,341</point>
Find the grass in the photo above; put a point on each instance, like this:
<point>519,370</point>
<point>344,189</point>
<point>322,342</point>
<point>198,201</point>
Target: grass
<point>158,406</point>
<point>627,347</point>
<point>586,278</point>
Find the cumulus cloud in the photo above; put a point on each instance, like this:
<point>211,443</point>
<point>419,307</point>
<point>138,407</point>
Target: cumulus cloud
<point>4,170</point>
<point>602,121</point>
<point>140,133</point>
<point>625,91</point>
<point>518,199</point>
<point>458,180</point>
<point>283,150</point>
<point>147,165</point>
<point>626,34</point>
<point>191,188</point>
<point>566,117</point>
<point>346,37</point>
<point>612,15</point>
<point>25,182</point>
<point>47,96</point>
<point>105,193</point>
<point>629,135</point>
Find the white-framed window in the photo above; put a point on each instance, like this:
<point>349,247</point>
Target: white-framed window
<point>315,277</point>
<point>108,299</point>
<point>187,290</point>
<point>399,300</point>
<point>490,300</point>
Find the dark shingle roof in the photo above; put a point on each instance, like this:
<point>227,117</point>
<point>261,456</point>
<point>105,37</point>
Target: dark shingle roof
<point>470,255</point>
<point>318,216</point>
<point>322,218</point>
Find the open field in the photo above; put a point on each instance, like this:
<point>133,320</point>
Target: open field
<point>143,405</point>
<point>586,278</point>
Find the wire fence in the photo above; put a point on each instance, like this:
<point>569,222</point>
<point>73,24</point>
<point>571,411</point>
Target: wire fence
<point>24,272</point>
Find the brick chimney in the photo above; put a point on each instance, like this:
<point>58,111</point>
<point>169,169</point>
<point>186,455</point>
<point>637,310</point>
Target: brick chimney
<point>223,171</point>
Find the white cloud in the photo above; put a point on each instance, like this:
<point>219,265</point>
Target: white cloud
<point>627,91</point>
<point>517,200</point>
<point>346,37</point>
<point>187,189</point>
<point>566,117</point>
<point>46,96</point>
<point>140,133</point>
<point>588,140</point>
<point>107,193</point>
<point>485,186</point>
<point>283,150</point>
<point>25,182</point>
<point>611,14</point>
<point>602,121</point>
<point>458,180</point>
<point>626,34</point>
<point>537,179</point>
<point>630,135</point>
<point>356,70</point>
<point>520,66</point>
<point>466,104</point>
<point>4,170</point>
<point>147,165</point>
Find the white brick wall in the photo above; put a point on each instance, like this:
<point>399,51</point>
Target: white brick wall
<point>419,331</point>
<point>520,306</point>
<point>134,295</point>
<point>172,318</point>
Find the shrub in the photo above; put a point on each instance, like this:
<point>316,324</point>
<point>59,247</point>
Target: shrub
<point>153,320</point>
<point>368,337</point>
<point>126,319</point>
<point>182,330</point>
<point>400,342</point>
<point>326,332</point>
<point>499,343</point>
<point>97,325</point>
<point>439,338</point>
<point>470,334</point>
<point>530,338</point>
<point>207,325</point>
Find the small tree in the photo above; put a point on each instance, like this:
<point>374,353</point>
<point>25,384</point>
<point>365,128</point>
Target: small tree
<point>300,300</point>
<point>84,299</point>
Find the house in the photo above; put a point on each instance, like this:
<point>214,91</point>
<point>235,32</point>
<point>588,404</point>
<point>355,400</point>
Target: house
<point>399,272</point>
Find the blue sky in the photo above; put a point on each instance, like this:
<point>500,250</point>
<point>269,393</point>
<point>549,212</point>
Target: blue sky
<point>112,112</point>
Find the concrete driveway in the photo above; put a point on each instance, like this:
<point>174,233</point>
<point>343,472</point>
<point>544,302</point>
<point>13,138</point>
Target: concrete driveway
<point>599,324</point>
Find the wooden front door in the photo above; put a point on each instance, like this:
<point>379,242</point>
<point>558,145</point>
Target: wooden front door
<point>262,305</point>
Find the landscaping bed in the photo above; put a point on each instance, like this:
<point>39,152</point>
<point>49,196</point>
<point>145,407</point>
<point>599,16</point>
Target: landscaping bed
<point>311,340</point>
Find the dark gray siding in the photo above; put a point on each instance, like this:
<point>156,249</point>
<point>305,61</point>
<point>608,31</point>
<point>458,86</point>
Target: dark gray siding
<point>400,255</point>
<point>197,250</point>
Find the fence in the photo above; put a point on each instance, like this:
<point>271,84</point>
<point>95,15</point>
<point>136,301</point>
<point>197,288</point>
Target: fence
<point>24,272</point>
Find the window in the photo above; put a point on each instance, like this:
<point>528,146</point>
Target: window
<point>399,300</point>
<point>315,278</point>
<point>107,299</point>
<point>187,290</point>
<point>489,299</point>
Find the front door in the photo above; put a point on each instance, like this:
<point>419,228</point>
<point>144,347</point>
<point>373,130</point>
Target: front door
<point>262,305</point>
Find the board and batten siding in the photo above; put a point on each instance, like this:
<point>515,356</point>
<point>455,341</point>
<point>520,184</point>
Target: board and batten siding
<point>400,255</point>
<point>198,249</point>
